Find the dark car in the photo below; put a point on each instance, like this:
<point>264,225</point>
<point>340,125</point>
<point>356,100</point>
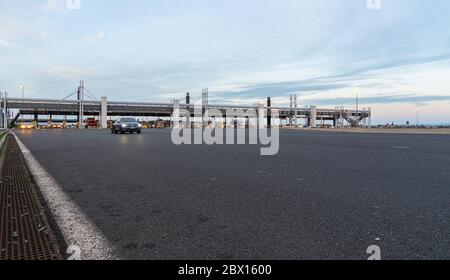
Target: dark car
<point>123,125</point>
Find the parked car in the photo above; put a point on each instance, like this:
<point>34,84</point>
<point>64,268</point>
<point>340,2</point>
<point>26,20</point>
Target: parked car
<point>123,125</point>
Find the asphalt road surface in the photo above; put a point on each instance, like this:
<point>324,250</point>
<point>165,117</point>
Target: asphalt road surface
<point>326,195</point>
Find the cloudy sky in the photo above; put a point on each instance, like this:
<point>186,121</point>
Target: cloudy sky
<point>397,58</point>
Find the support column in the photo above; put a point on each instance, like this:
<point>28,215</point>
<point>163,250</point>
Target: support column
<point>313,121</point>
<point>5,110</point>
<point>36,120</point>
<point>104,112</point>
<point>81,106</point>
<point>188,118</point>
<point>176,114</point>
<point>260,116</point>
<point>295,111</point>
<point>291,106</point>
<point>204,107</point>
<point>269,113</point>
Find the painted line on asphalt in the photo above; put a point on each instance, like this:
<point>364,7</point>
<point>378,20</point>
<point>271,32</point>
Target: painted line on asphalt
<point>77,229</point>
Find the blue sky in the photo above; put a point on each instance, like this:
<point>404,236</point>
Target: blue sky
<point>396,58</point>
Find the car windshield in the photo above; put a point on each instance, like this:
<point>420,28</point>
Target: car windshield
<point>128,120</point>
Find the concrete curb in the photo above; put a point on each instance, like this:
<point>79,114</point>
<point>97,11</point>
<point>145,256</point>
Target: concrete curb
<point>84,239</point>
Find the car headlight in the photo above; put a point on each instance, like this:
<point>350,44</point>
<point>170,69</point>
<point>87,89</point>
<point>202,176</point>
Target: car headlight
<point>139,125</point>
<point>124,125</point>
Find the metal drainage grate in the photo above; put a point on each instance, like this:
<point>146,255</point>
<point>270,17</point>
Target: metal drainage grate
<point>24,230</point>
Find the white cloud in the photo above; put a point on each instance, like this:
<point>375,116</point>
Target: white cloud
<point>66,72</point>
<point>55,6</point>
<point>44,35</point>
<point>9,32</point>
<point>100,35</point>
<point>7,44</point>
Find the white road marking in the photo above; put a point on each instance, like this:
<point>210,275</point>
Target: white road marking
<point>76,228</point>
